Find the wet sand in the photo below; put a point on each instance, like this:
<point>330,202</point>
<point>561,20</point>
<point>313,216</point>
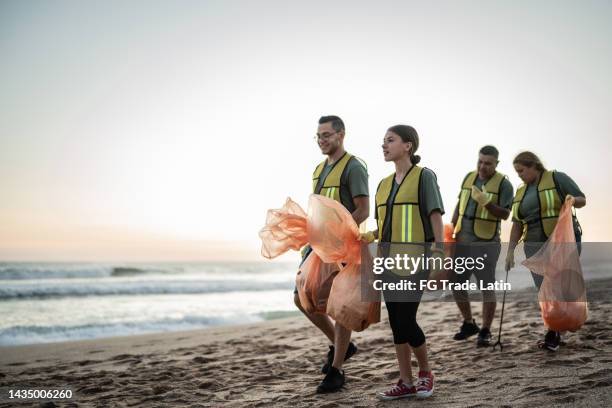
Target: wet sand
<point>277,363</point>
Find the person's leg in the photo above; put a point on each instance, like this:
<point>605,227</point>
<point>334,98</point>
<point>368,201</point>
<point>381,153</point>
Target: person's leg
<point>463,304</point>
<point>488,311</point>
<point>490,254</point>
<point>321,321</point>
<point>421,355</point>
<point>398,311</point>
<point>551,338</point>
<point>415,335</point>
<point>417,342</point>
<point>530,249</point>
<point>402,320</point>
<point>402,351</point>
<point>468,327</point>
<point>461,296</point>
<point>342,340</point>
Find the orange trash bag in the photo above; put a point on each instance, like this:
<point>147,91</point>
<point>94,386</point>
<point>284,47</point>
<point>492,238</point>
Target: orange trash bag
<point>562,295</point>
<point>332,232</point>
<point>314,282</point>
<point>285,229</point>
<point>345,303</point>
<point>334,237</point>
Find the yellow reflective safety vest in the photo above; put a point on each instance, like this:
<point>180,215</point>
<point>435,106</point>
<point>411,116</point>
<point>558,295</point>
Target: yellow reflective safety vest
<point>549,199</point>
<point>405,218</point>
<point>486,225</point>
<point>330,186</point>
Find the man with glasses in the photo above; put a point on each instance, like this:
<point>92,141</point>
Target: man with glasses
<point>344,178</point>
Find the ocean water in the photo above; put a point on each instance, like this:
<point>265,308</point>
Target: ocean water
<point>49,302</point>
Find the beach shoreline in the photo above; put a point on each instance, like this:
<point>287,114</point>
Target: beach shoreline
<point>277,363</point>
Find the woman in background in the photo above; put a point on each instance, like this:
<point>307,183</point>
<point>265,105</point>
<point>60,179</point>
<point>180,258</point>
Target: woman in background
<point>535,212</point>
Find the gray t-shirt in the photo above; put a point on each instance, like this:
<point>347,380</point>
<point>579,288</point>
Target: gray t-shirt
<point>506,194</point>
<point>530,207</point>
<point>429,198</point>
<point>354,182</point>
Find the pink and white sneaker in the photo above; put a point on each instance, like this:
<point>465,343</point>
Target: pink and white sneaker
<point>425,385</point>
<point>399,390</point>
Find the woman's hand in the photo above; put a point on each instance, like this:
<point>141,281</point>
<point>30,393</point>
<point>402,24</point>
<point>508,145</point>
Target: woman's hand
<point>571,199</point>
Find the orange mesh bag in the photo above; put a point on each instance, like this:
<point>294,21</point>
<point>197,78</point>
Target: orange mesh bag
<point>285,229</point>
<point>314,281</point>
<point>334,236</point>
<point>345,303</point>
<point>562,295</point>
<point>332,232</point>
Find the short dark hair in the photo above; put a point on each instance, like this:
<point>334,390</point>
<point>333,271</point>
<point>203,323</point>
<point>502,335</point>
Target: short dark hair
<point>490,151</point>
<point>336,122</point>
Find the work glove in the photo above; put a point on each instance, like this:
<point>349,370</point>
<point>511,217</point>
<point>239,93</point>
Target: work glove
<point>367,237</point>
<point>481,197</point>
<point>509,260</point>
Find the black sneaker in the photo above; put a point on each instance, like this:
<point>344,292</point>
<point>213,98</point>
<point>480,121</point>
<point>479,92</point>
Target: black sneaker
<point>551,341</point>
<point>467,329</point>
<point>333,381</point>
<point>352,349</point>
<point>484,338</point>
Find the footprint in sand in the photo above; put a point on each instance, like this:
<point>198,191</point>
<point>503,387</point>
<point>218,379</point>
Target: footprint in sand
<point>606,372</point>
<point>203,360</point>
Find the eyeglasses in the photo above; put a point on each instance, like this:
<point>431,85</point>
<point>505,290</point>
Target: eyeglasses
<point>324,136</point>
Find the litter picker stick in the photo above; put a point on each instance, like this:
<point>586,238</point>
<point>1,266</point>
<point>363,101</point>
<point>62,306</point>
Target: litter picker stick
<point>501,319</point>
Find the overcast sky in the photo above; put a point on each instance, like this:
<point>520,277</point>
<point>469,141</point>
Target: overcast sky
<point>164,130</point>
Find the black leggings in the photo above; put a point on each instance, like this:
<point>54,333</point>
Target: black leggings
<point>402,318</point>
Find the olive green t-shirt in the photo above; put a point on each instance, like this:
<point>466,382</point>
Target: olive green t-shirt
<point>506,194</point>
<point>530,206</point>
<point>430,200</point>
<point>353,182</point>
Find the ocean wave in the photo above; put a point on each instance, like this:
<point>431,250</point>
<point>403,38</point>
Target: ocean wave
<point>75,271</point>
<point>31,271</point>
<point>17,335</point>
<point>66,288</point>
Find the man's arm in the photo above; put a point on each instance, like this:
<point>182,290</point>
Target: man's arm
<point>362,209</point>
<point>455,215</point>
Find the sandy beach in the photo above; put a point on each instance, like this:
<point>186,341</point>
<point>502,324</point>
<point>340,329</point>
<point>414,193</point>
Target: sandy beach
<point>277,363</point>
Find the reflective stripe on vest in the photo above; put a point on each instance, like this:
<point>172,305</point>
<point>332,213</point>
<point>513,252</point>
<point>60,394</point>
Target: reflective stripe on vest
<point>548,199</point>
<point>405,217</point>
<point>486,225</point>
<point>331,185</point>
